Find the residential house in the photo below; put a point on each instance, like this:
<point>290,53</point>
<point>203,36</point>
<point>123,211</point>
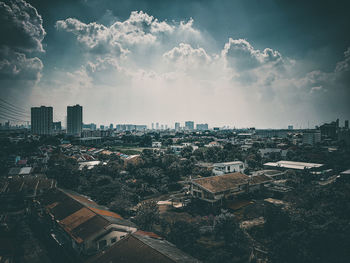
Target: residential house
<point>228,167</point>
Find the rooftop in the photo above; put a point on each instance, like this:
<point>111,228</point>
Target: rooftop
<point>140,247</point>
<point>229,163</point>
<point>221,183</point>
<point>294,165</point>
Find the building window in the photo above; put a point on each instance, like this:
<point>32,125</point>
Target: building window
<point>102,244</point>
<point>113,240</point>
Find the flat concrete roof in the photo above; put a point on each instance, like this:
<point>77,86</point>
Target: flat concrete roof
<point>294,165</point>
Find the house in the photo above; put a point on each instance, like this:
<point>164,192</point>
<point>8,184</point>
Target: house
<point>79,223</point>
<point>142,247</point>
<point>228,167</point>
<point>217,187</point>
<point>176,148</point>
<point>156,144</point>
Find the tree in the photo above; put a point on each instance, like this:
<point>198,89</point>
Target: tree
<point>184,235</point>
<point>226,227</point>
<point>147,214</point>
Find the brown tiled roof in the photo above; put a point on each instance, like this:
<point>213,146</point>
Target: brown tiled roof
<point>221,183</point>
<point>77,218</point>
<point>145,233</point>
<point>90,227</point>
<point>137,249</point>
<point>105,212</point>
<point>259,179</point>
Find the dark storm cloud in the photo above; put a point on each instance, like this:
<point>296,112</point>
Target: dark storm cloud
<point>21,34</point>
<point>21,26</point>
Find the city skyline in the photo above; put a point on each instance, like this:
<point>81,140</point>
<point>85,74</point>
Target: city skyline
<point>223,63</point>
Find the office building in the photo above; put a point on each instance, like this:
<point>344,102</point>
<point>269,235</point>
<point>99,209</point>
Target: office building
<point>202,127</point>
<point>111,126</point>
<point>74,120</point>
<point>189,125</point>
<point>42,120</point>
<point>177,126</point>
<point>311,137</point>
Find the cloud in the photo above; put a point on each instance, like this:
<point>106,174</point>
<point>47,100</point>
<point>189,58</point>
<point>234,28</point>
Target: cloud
<point>16,66</point>
<point>344,65</point>
<point>22,34</point>
<point>21,26</point>
<point>184,56</point>
<point>241,55</point>
<point>140,29</point>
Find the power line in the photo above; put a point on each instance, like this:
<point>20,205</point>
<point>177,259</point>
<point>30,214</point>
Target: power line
<point>12,111</point>
<point>14,106</point>
<point>11,119</point>
<point>14,114</point>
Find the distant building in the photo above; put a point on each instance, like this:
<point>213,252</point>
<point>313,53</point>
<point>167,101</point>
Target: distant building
<point>157,126</point>
<point>346,124</point>
<point>102,127</point>
<point>189,125</point>
<point>290,127</point>
<point>177,126</point>
<point>202,127</point>
<point>311,137</point>
<point>344,135</point>
<point>329,130</point>
<point>42,120</point>
<point>74,120</point>
<point>269,133</point>
<point>111,126</point>
<point>156,144</point>
<point>152,126</point>
<point>57,126</point>
<point>228,167</point>
<point>141,127</point>
<point>91,126</point>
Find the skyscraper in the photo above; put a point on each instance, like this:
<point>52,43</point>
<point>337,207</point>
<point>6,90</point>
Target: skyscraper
<point>74,120</point>
<point>177,126</point>
<point>41,120</point>
<point>189,125</point>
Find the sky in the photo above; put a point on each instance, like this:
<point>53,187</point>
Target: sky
<point>264,64</point>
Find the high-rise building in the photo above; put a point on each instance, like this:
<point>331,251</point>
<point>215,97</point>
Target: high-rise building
<point>111,126</point>
<point>346,124</point>
<point>177,126</point>
<point>189,125</point>
<point>74,120</point>
<point>41,120</point>
<point>311,137</point>
<point>157,126</point>
<point>152,126</point>
<point>202,127</point>
<point>290,127</point>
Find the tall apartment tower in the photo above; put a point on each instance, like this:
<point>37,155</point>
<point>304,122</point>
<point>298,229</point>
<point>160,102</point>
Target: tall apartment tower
<point>74,120</point>
<point>41,120</point>
<point>189,125</point>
